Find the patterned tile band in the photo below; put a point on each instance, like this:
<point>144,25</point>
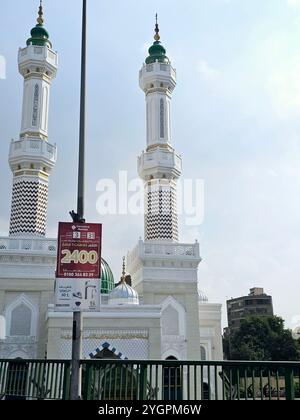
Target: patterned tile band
<point>29,208</point>
<point>161,220</point>
<point>107,346</point>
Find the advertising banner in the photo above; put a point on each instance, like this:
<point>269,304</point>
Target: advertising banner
<point>78,272</point>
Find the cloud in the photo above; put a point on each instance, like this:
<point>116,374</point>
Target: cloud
<point>293,2</point>
<point>144,48</point>
<point>269,68</point>
<point>284,89</point>
<point>206,71</point>
<point>258,230</point>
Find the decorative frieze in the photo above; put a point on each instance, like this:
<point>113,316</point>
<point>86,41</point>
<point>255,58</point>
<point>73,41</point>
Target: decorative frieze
<point>108,334</point>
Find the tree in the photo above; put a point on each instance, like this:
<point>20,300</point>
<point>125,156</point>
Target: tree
<point>262,338</point>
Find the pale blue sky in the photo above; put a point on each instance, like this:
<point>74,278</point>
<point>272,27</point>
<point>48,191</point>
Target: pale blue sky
<point>235,121</point>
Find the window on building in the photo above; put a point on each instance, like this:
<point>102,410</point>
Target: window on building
<point>172,390</point>
<point>21,318</point>
<point>162,119</point>
<point>35,105</point>
<point>170,321</point>
<point>263,302</point>
<point>203,353</point>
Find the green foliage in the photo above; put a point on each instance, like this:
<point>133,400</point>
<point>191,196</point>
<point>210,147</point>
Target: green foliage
<point>262,338</point>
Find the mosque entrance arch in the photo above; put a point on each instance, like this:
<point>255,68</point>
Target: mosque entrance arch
<point>110,381</point>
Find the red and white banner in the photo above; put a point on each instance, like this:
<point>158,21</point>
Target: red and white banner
<point>78,270</point>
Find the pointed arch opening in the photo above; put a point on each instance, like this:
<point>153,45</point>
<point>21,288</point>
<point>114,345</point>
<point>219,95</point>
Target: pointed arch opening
<point>21,318</point>
<point>172,381</point>
<point>173,318</point>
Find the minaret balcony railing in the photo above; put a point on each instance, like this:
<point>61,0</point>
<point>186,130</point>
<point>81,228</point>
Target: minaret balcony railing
<point>25,245</point>
<point>33,148</point>
<point>159,158</point>
<point>33,52</point>
<point>158,249</point>
<point>165,70</point>
<point>178,250</point>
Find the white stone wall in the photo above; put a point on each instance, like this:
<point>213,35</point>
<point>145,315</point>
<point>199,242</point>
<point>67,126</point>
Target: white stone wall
<point>38,66</point>
<point>27,269</point>
<point>210,315</point>
<point>135,331</point>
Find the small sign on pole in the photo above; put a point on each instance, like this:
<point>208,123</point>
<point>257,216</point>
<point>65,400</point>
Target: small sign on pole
<point>78,271</point>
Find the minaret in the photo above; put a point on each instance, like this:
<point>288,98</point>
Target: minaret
<point>32,157</point>
<point>164,271</point>
<point>159,166</point>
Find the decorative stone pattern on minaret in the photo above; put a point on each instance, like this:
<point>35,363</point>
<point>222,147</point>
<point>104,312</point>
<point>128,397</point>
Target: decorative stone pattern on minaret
<point>32,157</point>
<point>27,218</point>
<point>161,221</point>
<point>159,166</point>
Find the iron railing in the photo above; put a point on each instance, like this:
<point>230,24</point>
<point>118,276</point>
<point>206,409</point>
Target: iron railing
<point>151,380</point>
<point>34,379</point>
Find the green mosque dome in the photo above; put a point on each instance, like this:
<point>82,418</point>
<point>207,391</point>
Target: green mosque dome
<point>157,52</point>
<point>107,278</point>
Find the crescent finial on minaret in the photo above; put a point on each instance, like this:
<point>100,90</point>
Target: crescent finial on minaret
<point>123,271</point>
<point>40,19</point>
<point>156,36</point>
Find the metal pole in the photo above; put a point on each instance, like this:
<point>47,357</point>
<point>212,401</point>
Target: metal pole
<point>77,316</point>
<point>81,164</point>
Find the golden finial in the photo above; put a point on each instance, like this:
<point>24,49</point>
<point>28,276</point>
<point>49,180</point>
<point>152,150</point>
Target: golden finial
<point>156,36</point>
<point>40,19</point>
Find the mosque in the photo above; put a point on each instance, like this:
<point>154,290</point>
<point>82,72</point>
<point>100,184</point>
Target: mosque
<point>157,310</point>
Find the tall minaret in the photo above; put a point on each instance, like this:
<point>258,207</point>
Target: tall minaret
<point>159,166</point>
<point>165,271</point>
<point>32,157</point>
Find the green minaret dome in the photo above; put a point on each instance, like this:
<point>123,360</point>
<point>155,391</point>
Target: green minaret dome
<point>157,51</point>
<point>39,34</point>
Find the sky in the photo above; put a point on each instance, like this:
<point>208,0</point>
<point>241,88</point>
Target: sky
<point>235,121</point>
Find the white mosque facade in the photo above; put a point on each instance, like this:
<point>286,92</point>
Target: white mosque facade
<point>158,312</point>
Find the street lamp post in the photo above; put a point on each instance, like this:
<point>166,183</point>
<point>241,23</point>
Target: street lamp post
<point>79,216</point>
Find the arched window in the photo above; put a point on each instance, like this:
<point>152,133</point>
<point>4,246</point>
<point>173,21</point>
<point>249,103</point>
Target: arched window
<point>172,375</point>
<point>203,353</point>
<point>35,105</point>
<point>20,323</point>
<point>170,321</point>
<point>21,318</point>
<point>162,119</point>
<point>173,317</point>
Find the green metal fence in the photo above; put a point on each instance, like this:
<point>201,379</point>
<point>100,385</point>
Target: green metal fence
<point>151,380</point>
<point>34,379</point>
